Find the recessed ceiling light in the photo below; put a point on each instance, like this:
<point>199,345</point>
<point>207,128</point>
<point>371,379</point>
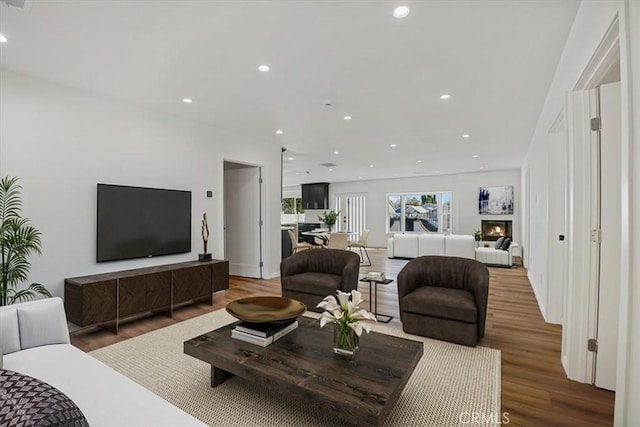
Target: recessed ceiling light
<point>336,152</point>
<point>401,12</point>
<point>466,135</point>
<point>279,131</point>
<point>481,167</point>
<point>264,68</point>
<point>445,96</point>
<point>348,117</point>
<point>289,158</point>
<point>419,161</point>
<point>3,39</point>
<point>370,166</point>
<point>297,173</point>
<point>359,177</point>
<point>394,145</point>
<point>187,100</point>
<point>330,170</point>
<point>475,156</point>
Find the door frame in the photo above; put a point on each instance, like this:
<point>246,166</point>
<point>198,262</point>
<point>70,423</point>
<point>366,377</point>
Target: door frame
<point>581,307</point>
<point>259,217</point>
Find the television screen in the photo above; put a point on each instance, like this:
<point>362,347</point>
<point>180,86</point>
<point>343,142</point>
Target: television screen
<point>136,222</point>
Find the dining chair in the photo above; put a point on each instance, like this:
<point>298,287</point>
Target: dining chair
<point>295,245</point>
<point>337,241</point>
<point>361,243</point>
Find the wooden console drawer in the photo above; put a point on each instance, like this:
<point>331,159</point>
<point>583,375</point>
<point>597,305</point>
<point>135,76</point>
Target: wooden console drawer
<point>91,303</point>
<point>191,283</point>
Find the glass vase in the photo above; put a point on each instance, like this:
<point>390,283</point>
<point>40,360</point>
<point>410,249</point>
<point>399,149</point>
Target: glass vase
<point>345,340</point>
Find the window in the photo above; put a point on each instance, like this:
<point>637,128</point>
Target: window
<point>292,205</point>
<point>428,212</point>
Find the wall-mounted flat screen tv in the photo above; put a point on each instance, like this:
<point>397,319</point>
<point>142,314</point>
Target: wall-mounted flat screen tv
<point>136,222</point>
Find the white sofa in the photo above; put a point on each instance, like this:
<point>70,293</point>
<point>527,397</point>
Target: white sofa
<point>413,245</point>
<point>420,244</point>
<point>35,341</point>
<point>494,256</point>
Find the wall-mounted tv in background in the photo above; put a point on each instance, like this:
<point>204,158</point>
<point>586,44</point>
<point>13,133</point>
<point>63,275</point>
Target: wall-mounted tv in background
<point>136,222</point>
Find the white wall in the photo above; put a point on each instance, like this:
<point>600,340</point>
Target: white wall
<point>591,23</point>
<point>464,199</point>
<point>62,142</point>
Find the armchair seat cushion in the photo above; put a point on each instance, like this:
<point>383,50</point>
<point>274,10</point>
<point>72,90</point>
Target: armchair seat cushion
<point>314,283</point>
<point>446,303</point>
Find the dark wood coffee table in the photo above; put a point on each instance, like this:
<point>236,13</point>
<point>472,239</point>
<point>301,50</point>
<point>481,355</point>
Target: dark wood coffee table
<point>302,364</point>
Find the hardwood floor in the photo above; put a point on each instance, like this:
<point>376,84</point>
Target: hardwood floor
<point>535,390</point>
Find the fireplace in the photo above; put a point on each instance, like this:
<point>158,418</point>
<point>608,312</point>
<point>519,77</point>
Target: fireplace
<point>492,230</point>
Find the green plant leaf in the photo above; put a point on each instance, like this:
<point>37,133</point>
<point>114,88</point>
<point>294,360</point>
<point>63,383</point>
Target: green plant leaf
<point>18,241</point>
<point>29,293</point>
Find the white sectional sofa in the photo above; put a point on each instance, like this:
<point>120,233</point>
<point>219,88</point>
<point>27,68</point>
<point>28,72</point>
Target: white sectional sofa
<point>413,245</point>
<point>35,341</point>
<point>420,244</point>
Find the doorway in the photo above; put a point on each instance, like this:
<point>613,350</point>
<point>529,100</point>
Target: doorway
<point>606,242</point>
<point>353,214</point>
<point>243,219</point>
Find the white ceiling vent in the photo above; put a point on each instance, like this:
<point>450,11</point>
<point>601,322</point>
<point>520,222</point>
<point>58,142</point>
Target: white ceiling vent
<point>20,4</point>
<point>328,165</point>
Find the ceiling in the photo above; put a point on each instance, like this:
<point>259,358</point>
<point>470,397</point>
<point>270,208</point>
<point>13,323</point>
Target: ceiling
<point>495,58</point>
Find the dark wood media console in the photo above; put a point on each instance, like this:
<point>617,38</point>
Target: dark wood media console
<point>104,299</point>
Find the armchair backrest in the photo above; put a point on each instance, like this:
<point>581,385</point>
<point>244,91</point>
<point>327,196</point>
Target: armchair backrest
<point>443,271</point>
<point>330,261</point>
<point>448,272</point>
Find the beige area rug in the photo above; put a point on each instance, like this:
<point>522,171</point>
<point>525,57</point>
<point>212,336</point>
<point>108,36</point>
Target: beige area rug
<point>450,384</point>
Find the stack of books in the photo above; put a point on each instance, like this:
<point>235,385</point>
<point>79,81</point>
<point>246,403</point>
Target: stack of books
<point>374,275</point>
<point>262,334</point>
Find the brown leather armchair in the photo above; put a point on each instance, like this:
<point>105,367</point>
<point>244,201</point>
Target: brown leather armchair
<point>444,298</point>
<point>309,276</point>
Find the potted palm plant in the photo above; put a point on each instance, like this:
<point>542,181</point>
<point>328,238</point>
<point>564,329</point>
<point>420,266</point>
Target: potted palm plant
<point>18,240</point>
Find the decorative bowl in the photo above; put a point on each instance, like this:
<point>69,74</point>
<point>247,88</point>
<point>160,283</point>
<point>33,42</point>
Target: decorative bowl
<point>266,309</point>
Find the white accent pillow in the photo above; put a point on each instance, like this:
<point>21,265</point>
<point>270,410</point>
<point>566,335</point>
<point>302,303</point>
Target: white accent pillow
<point>9,331</point>
<point>43,324</point>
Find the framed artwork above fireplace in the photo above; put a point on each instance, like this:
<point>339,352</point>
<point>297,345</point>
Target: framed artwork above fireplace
<point>496,200</point>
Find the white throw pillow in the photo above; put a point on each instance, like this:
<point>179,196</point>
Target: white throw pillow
<point>43,324</point>
<point>9,331</point>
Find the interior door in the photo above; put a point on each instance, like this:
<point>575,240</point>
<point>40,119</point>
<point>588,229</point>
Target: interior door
<point>242,215</point>
<point>610,217</point>
<point>557,254</point>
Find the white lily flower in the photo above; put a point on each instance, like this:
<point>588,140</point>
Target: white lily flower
<point>343,297</point>
<point>329,303</point>
<point>345,311</point>
<point>326,318</point>
<point>366,326</point>
<point>356,298</point>
<point>357,327</point>
<point>364,315</point>
<point>337,314</point>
